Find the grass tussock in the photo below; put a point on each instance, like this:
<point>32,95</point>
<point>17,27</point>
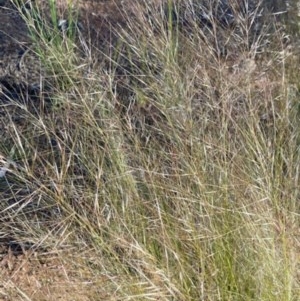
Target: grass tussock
<point>176,163</point>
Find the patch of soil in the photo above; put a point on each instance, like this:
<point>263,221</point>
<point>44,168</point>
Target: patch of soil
<point>57,276</point>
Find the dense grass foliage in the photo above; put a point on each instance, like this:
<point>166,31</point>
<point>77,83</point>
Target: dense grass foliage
<point>172,156</point>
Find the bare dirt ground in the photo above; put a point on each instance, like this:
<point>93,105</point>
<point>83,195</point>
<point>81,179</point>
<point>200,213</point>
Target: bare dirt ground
<point>53,276</point>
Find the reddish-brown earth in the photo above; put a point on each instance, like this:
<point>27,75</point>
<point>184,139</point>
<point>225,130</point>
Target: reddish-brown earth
<point>49,276</point>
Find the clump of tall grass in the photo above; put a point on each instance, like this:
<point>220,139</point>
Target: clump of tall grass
<point>177,166</point>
